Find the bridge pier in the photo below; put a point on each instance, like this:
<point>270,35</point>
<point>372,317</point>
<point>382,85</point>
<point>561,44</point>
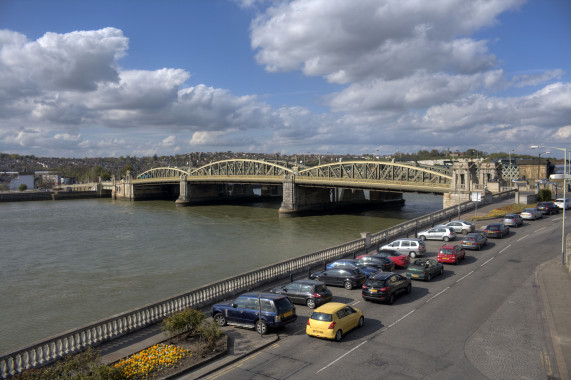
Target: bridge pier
<point>298,200</point>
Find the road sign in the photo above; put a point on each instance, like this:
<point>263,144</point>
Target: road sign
<point>476,196</point>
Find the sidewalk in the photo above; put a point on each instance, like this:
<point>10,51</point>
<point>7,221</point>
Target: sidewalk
<point>555,288</point>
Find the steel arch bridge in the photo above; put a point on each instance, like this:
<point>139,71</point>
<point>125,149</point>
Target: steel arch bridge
<point>377,175</point>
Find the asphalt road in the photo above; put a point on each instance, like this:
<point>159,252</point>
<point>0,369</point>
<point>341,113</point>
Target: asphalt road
<point>481,319</point>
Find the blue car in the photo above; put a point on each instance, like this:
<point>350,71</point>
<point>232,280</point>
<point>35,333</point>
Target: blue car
<point>277,311</point>
<point>353,264</point>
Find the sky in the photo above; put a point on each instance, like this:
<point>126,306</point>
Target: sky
<point>110,78</point>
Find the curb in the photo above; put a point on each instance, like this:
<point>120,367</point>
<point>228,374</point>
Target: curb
<point>555,339</point>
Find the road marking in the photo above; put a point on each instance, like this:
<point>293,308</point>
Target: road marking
<point>509,245</point>
<point>523,237</point>
<point>234,366</point>
<point>487,261</point>
<point>542,228</point>
<point>340,357</point>
<point>457,281</point>
<point>436,295</point>
<point>356,302</point>
<point>401,318</point>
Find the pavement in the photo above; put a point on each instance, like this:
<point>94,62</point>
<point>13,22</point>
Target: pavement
<point>552,279</point>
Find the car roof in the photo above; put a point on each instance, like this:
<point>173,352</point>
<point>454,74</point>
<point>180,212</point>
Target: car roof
<point>309,282</point>
<point>330,307</point>
<point>271,296</point>
<point>381,275</point>
<point>448,246</point>
<point>472,234</point>
<point>408,239</point>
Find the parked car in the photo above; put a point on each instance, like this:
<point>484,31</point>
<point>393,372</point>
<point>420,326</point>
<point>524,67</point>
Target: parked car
<point>382,263</point>
<point>410,246</point>
<point>346,277</point>
<point>277,311</point>
<point>385,286</point>
<point>424,269</point>
<point>400,260</point>
<point>560,202</point>
<point>530,214</point>
<point>438,233</point>
<point>311,293</point>
<point>354,264</point>
<point>496,230</point>
<point>474,240</point>
<point>548,208</point>
<point>332,320</point>
<point>450,254</point>
<point>513,220</point>
<point>461,226</point>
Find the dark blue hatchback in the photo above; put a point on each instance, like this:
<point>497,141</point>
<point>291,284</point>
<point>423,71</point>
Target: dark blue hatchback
<point>276,311</point>
<point>353,264</point>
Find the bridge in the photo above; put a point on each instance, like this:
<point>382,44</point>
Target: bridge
<point>311,189</point>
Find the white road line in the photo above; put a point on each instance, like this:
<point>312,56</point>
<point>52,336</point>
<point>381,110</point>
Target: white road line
<point>340,357</point>
<point>356,302</point>
<point>457,281</point>
<point>436,295</point>
<point>401,318</point>
<point>523,237</point>
<point>509,245</point>
<point>542,228</point>
<point>487,261</point>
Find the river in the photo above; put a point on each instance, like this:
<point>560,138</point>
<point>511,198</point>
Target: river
<point>64,264</point>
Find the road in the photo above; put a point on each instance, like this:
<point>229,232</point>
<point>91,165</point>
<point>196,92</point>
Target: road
<point>481,319</point>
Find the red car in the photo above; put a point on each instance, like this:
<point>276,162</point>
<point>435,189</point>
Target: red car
<point>450,254</point>
<point>399,259</point>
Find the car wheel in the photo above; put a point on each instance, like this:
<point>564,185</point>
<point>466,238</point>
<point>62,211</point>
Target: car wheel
<point>220,319</point>
<point>412,255</point>
<point>422,237</point>
<point>347,285</point>
<point>441,271</point>
<point>310,303</point>
<point>479,247</point>
<point>361,321</point>
<point>391,299</point>
<point>428,278</point>
<point>446,238</point>
<point>464,232</point>
<point>408,289</point>
<point>338,335</point>
<point>261,327</point>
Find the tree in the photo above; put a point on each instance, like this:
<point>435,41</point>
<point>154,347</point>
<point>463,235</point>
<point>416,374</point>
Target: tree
<point>22,187</point>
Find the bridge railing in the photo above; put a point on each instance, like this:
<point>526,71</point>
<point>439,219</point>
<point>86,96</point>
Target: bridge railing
<point>94,334</point>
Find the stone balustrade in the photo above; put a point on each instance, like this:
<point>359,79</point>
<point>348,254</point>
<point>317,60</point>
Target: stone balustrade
<point>77,340</point>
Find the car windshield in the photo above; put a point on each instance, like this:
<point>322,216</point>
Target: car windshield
<point>322,317</point>
<point>375,283</point>
<point>468,239</point>
<point>446,251</point>
<point>283,304</point>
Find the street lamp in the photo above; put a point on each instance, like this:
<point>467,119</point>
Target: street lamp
<point>565,177</point>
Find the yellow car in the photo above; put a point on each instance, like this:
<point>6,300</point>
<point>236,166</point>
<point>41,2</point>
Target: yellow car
<point>334,319</point>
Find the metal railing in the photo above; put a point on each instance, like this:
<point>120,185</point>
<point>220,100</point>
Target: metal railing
<point>94,334</point>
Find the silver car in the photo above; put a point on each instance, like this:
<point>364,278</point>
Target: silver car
<point>438,233</point>
<point>408,246</point>
<point>531,214</point>
<point>461,226</point>
<point>513,220</point>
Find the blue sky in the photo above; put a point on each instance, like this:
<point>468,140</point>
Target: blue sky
<point>114,78</point>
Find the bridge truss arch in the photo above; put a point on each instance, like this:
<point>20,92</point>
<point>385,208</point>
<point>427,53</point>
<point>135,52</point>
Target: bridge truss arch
<point>162,174</point>
<point>378,174</point>
<point>241,170</point>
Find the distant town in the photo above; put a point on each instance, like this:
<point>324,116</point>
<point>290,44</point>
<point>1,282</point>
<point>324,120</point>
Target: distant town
<point>48,172</point>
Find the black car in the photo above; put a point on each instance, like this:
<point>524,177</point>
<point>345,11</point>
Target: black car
<point>385,286</point>
<point>277,311</point>
<point>382,263</point>
<point>348,278</point>
<point>306,292</point>
<point>496,230</point>
<point>548,208</point>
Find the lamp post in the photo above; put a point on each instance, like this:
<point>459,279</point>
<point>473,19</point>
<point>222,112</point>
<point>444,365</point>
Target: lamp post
<point>539,162</point>
<point>565,177</point>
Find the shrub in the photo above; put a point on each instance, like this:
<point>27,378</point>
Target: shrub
<point>22,187</point>
<point>209,332</point>
<point>545,195</point>
<point>186,321</point>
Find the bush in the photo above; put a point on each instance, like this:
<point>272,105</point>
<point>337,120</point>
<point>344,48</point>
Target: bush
<point>544,195</point>
<point>22,187</point>
<point>209,332</point>
<point>186,321</point>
